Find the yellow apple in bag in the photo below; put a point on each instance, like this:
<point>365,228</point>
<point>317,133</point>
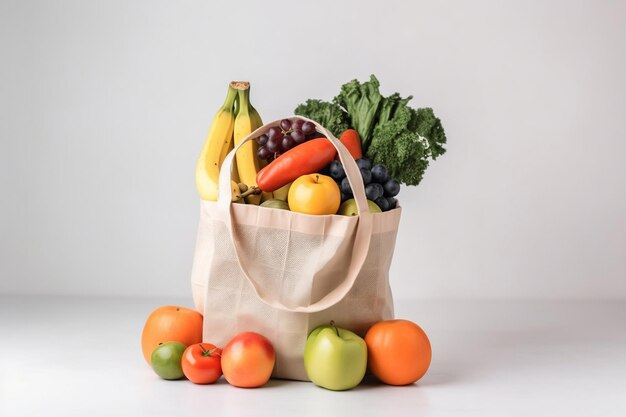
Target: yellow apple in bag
<point>314,194</point>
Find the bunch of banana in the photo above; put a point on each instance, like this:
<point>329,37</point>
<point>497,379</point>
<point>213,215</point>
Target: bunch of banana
<point>247,121</point>
<point>235,120</point>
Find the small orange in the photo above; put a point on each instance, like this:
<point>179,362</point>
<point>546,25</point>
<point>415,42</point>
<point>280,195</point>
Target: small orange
<point>398,351</point>
<point>171,324</point>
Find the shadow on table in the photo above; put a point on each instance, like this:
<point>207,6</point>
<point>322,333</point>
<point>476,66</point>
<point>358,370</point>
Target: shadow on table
<point>275,383</point>
<point>429,380</point>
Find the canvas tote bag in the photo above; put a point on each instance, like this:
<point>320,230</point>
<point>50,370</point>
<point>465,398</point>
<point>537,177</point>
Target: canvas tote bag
<point>282,273</point>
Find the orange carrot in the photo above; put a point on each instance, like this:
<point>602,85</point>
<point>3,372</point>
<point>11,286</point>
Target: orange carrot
<point>351,140</point>
<point>307,158</point>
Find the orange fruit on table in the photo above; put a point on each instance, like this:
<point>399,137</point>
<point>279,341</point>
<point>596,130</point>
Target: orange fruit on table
<point>398,351</point>
<point>248,360</point>
<point>171,324</point>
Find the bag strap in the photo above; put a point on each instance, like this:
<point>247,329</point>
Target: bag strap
<point>362,236</point>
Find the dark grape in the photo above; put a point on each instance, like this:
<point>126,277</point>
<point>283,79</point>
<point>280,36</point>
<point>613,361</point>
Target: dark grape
<point>308,128</point>
<point>336,170</point>
<point>373,191</point>
<point>275,133</point>
<point>262,140</point>
<point>264,153</point>
<point>273,144</point>
<point>297,124</point>
<point>382,202</point>
<point>392,203</point>
<point>344,197</point>
<point>287,143</point>
<point>298,136</point>
<point>366,174</point>
<point>326,171</point>
<point>363,163</point>
<point>391,187</point>
<point>285,124</point>
<point>345,186</point>
<point>379,174</point>
<point>315,135</point>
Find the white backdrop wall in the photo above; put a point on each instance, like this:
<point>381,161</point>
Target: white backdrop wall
<point>105,105</point>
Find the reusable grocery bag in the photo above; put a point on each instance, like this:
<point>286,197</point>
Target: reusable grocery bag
<point>281,273</point>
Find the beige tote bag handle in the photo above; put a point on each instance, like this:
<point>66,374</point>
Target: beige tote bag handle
<point>361,239</point>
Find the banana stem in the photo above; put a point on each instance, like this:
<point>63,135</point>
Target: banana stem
<point>240,85</point>
<point>229,103</point>
<point>254,190</point>
<point>244,101</point>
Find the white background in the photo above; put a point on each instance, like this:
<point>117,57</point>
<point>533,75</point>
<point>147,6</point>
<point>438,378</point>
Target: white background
<point>104,107</point>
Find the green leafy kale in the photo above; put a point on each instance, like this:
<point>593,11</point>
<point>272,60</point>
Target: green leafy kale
<point>406,142</point>
<point>390,105</point>
<point>392,133</point>
<point>329,115</point>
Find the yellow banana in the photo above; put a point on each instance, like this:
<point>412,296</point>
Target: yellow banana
<point>234,175</point>
<point>245,123</point>
<point>256,117</point>
<point>212,155</point>
<point>228,146</point>
<point>258,122</point>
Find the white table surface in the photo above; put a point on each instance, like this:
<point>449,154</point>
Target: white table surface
<point>74,356</point>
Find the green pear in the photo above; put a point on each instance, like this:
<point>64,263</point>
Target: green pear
<point>348,208</point>
<point>275,203</point>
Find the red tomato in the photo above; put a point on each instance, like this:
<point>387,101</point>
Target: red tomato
<point>248,360</point>
<point>202,363</point>
<point>398,351</point>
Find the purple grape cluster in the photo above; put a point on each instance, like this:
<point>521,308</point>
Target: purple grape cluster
<point>281,138</point>
<point>379,187</point>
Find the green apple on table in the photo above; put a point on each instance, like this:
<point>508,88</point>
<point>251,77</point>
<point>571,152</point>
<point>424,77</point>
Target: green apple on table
<point>335,358</point>
<point>166,360</point>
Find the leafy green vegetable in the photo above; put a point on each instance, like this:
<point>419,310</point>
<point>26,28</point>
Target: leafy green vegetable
<point>362,102</point>
<point>390,105</point>
<point>329,115</point>
<point>392,133</point>
<point>406,142</point>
